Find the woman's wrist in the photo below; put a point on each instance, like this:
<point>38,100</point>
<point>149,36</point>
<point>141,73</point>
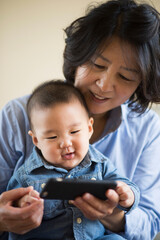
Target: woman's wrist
<point>115,222</point>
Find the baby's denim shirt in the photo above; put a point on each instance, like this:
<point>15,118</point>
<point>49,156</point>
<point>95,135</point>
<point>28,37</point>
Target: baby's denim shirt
<point>62,220</point>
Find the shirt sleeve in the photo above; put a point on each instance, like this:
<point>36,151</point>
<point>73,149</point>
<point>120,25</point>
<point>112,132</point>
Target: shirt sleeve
<point>135,150</point>
<point>15,182</point>
<point>15,144</point>
<point>144,221</point>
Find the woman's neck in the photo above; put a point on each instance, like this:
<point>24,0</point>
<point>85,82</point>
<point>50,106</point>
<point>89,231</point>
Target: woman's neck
<point>98,126</point>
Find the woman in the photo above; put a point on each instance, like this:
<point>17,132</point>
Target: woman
<point>112,55</point>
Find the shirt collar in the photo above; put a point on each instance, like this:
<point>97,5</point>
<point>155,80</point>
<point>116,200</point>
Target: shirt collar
<point>113,121</point>
<point>37,161</point>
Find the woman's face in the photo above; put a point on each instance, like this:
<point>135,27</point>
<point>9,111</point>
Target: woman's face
<point>109,79</point>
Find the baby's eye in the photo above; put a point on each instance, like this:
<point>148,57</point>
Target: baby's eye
<point>53,137</point>
<point>76,131</point>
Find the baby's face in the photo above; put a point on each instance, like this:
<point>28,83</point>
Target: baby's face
<point>62,133</point>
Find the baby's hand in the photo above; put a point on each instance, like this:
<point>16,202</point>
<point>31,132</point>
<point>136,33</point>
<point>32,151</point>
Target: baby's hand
<point>28,199</point>
<point>126,195</point>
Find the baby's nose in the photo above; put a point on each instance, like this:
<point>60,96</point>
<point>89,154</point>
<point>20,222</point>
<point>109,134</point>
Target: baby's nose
<point>65,143</point>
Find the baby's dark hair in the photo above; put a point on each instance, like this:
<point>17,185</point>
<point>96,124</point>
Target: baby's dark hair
<point>52,92</point>
<point>135,23</point>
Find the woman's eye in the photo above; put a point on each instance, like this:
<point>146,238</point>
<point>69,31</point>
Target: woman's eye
<point>124,78</point>
<point>99,66</point>
<point>76,131</point>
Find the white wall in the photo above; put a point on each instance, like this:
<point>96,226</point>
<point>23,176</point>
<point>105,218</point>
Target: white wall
<point>32,42</point>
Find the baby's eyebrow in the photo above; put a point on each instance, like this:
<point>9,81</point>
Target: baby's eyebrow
<point>48,131</point>
<point>75,124</point>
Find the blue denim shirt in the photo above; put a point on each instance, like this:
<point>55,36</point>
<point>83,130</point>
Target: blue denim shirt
<point>130,141</point>
<point>62,219</point>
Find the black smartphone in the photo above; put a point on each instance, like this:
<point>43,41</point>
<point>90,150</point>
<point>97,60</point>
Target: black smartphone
<point>69,189</point>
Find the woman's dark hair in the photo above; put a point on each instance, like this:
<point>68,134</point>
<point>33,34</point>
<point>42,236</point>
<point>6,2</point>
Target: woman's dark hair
<point>136,24</point>
<point>53,92</point>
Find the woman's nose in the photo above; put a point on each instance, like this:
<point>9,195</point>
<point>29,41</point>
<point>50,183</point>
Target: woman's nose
<point>105,82</point>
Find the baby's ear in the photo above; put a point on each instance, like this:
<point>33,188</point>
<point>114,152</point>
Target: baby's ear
<point>90,126</point>
<point>34,138</point>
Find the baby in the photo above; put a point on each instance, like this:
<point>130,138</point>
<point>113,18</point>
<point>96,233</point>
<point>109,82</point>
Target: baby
<point>60,129</point>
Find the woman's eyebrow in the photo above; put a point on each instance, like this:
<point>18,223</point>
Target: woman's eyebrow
<point>104,58</point>
<point>130,69</point>
<point>125,68</point>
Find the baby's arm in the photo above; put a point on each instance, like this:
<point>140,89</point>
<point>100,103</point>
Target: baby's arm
<point>28,199</point>
<point>126,195</point>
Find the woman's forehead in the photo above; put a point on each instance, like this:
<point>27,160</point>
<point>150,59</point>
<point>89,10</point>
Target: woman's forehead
<point>116,46</point>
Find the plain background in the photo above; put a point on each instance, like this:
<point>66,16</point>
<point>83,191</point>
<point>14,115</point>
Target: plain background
<point>32,41</point>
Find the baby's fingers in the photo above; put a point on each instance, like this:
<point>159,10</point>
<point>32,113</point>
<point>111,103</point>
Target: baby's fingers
<point>34,194</point>
<point>126,195</point>
<point>27,200</point>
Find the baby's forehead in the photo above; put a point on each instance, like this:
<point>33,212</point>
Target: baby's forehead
<point>70,112</point>
<point>74,102</point>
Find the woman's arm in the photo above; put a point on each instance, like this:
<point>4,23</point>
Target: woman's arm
<point>135,151</point>
<point>115,222</point>
<point>15,144</point>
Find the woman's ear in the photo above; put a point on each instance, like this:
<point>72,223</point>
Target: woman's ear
<point>34,138</point>
<point>90,126</point>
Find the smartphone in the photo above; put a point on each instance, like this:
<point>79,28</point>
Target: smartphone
<point>69,189</point>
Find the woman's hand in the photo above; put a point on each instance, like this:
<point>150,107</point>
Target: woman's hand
<point>105,211</point>
<point>19,220</point>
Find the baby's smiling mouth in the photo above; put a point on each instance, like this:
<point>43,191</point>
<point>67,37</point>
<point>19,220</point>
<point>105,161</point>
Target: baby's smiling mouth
<point>68,156</point>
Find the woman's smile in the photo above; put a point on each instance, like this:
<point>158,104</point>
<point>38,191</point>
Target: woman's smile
<point>97,98</point>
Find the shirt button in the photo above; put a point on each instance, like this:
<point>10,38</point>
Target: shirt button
<point>42,185</point>
<point>93,178</point>
<point>79,220</point>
